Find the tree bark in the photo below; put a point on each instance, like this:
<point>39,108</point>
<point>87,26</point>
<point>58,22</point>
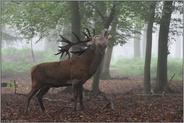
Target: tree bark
<point>95,84</point>
<point>75,20</point>
<point>161,81</point>
<point>183,60</point>
<point>106,25</point>
<point>76,25</point>
<point>147,84</point>
<point>105,74</point>
<point>98,23</point>
<point>1,47</point>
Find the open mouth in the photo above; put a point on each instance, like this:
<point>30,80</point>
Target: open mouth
<point>107,35</point>
<point>105,32</point>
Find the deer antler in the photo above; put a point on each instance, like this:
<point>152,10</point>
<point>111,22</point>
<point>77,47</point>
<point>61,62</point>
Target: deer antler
<point>79,52</point>
<point>65,49</point>
<point>88,35</point>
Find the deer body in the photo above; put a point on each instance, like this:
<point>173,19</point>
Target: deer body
<point>75,67</point>
<point>74,71</point>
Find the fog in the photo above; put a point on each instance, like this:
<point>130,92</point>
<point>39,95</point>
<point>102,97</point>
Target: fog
<point>126,50</point>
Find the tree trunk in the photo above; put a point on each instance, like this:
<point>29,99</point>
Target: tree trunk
<point>102,10</point>
<point>147,84</point>
<point>144,40</point>
<point>98,20</point>
<point>1,51</point>
<point>137,51</point>
<point>105,74</point>
<point>76,22</point>
<point>161,81</point>
<point>76,25</point>
<point>183,63</point>
<point>95,84</point>
<point>106,25</point>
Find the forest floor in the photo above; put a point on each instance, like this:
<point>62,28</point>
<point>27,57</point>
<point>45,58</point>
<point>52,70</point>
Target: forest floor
<point>122,101</point>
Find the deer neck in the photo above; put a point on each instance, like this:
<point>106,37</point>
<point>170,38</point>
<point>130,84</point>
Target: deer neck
<point>89,54</point>
<point>99,54</point>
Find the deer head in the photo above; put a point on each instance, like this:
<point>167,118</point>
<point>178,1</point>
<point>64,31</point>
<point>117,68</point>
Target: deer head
<point>102,39</point>
<point>71,72</point>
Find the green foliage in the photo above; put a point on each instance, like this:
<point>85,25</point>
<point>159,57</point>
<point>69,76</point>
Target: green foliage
<point>175,66</point>
<point>20,60</point>
<point>8,84</point>
<point>39,18</point>
<point>35,18</point>
<point>12,51</point>
<point>135,66</point>
<point>129,66</point>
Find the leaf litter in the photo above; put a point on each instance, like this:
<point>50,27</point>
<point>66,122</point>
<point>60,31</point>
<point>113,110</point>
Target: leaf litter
<point>130,105</point>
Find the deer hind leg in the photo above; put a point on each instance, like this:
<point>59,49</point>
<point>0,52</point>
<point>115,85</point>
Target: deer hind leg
<point>81,96</point>
<point>30,95</point>
<point>75,96</point>
<point>40,94</point>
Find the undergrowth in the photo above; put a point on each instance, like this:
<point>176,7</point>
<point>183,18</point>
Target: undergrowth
<point>21,60</point>
<point>135,66</point>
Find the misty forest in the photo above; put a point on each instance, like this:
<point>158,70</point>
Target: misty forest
<point>95,61</point>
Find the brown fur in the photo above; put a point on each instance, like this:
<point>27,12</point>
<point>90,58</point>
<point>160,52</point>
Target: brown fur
<point>74,71</point>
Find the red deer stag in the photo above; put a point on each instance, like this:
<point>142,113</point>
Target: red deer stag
<point>74,71</point>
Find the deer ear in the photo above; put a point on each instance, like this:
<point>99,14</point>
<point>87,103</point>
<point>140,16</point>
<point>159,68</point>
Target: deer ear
<point>89,43</point>
<point>92,42</point>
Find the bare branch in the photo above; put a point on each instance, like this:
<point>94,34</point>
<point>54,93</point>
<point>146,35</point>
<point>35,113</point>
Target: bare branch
<point>100,14</point>
<point>163,94</point>
<point>15,91</point>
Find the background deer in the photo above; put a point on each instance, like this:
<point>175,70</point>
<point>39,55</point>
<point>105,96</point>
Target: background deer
<point>74,71</point>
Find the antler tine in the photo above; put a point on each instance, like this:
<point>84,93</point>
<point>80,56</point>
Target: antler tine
<point>85,34</point>
<point>93,31</point>
<point>67,53</point>
<point>64,40</point>
<point>78,52</point>
<point>62,50</point>
<point>76,37</point>
<point>88,32</point>
<point>65,49</point>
